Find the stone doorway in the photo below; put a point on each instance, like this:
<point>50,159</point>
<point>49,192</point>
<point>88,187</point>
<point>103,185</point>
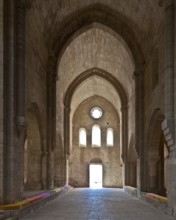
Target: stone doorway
<point>95,175</point>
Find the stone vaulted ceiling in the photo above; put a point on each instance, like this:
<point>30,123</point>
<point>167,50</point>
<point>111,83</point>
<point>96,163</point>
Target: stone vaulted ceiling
<point>96,48</point>
<point>64,31</point>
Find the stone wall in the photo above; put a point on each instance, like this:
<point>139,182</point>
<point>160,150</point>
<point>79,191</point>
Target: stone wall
<point>36,62</point>
<point>1,100</point>
<point>154,91</point>
<point>154,101</point>
<point>36,93</point>
<point>81,157</point>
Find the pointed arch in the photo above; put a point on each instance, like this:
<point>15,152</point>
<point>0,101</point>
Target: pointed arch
<point>154,131</point>
<point>68,97</point>
<point>155,164</point>
<point>95,72</point>
<point>76,23</point>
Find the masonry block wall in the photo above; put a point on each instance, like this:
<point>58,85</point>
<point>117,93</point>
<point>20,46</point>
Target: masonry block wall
<point>36,99</point>
<point>127,42</point>
<point>154,83</point>
<point>81,157</point>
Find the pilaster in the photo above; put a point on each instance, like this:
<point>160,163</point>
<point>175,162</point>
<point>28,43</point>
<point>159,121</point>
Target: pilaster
<point>1,101</point>
<point>66,142</point>
<point>51,127</point>
<point>169,123</point>
<point>139,127</point>
<point>124,142</point>
<point>21,92</point>
<point>10,189</point>
<point>124,132</point>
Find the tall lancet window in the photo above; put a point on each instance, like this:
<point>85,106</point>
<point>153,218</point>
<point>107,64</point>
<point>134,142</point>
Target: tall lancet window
<point>82,137</point>
<point>96,136</point>
<point>110,137</point>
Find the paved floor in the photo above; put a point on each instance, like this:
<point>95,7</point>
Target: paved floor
<point>97,204</point>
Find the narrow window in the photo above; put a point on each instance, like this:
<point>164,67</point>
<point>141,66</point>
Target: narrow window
<point>110,137</point>
<point>96,136</point>
<point>82,137</point>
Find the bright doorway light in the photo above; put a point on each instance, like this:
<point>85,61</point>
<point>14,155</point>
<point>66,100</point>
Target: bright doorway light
<point>95,175</point>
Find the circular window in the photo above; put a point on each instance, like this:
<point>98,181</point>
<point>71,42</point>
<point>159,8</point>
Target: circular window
<point>96,112</point>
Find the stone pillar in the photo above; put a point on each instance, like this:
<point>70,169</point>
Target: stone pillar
<point>50,169</point>
<point>175,64</point>
<point>44,165</point>
<point>133,174</point>
<point>51,128</point>
<point>20,62</point>
<point>169,123</point>
<point>21,93</point>
<point>62,171</point>
<point>169,64</point>
<point>124,143</point>
<point>127,174</point>
<point>11,187</point>
<point>139,127</point>
<point>152,163</point>
<point>66,142</point>
<point>67,130</point>
<point>1,102</point>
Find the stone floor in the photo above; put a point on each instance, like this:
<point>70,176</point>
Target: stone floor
<point>97,204</point>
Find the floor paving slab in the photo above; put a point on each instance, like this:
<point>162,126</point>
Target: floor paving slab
<point>97,204</point>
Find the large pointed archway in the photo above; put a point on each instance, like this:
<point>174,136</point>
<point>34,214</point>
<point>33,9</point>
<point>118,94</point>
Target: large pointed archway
<point>68,97</point>
<point>123,102</point>
<point>95,17</point>
<point>128,43</point>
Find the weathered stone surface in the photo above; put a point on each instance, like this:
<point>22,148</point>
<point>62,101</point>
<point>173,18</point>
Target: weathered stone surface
<point>1,101</point>
<point>81,157</point>
<point>126,42</point>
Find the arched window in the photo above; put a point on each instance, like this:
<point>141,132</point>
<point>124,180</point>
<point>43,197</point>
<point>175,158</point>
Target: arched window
<point>96,136</point>
<point>82,137</point>
<point>110,137</point>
